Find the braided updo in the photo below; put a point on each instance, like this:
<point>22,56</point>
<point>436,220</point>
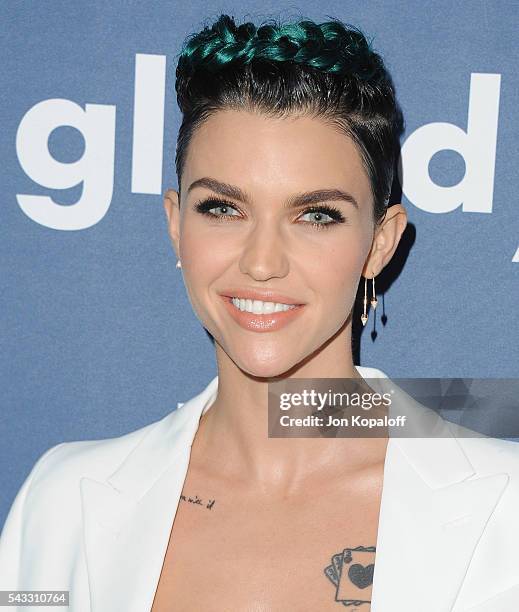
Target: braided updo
<point>326,70</point>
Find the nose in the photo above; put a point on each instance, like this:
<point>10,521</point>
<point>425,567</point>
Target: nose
<point>264,253</point>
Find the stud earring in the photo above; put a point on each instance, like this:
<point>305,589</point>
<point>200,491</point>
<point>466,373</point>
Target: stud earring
<point>374,301</point>
<point>179,265</point>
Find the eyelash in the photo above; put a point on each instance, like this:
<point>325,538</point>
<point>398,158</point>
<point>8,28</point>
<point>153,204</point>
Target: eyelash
<point>204,206</point>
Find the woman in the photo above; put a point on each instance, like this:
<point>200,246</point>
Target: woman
<point>285,162</point>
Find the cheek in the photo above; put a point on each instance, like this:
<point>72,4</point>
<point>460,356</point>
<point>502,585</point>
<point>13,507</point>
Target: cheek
<point>205,259</point>
<point>197,265</point>
<point>200,250</point>
<point>338,266</point>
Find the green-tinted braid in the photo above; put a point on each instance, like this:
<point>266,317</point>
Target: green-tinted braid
<point>328,47</point>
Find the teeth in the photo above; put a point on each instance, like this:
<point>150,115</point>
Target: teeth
<point>259,307</point>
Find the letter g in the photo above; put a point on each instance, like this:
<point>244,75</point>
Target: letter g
<point>95,169</point>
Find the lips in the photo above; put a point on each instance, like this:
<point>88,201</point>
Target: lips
<point>262,322</point>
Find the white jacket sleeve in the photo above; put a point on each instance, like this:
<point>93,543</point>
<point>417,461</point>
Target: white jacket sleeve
<point>12,536</point>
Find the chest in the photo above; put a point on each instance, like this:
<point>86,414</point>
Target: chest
<point>244,551</point>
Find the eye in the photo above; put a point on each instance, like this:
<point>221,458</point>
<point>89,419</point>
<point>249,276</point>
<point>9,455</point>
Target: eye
<point>334,215</point>
<point>205,207</point>
<point>321,212</point>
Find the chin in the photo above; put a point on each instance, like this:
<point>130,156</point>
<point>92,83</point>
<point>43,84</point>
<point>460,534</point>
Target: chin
<point>260,370</point>
<point>267,368</point>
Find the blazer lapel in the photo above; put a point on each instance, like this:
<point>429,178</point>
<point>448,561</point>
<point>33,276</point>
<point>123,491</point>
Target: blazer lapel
<point>434,509</point>
<point>127,519</point>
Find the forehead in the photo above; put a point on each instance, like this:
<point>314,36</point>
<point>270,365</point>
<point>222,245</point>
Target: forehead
<point>267,155</point>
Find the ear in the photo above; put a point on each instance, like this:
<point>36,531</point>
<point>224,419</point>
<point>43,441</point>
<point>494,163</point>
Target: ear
<point>172,208</point>
<point>386,239</point>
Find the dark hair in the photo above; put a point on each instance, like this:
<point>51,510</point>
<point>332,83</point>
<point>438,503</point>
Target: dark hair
<point>326,70</point>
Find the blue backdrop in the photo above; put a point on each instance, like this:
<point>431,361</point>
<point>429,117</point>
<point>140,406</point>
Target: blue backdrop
<point>98,336</point>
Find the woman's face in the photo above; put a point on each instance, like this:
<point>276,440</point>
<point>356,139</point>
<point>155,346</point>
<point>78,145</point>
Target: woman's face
<point>263,243</point>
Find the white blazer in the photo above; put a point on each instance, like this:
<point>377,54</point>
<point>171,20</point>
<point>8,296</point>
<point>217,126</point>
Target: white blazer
<point>94,518</point>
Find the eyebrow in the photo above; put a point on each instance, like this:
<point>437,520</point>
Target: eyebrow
<point>295,201</point>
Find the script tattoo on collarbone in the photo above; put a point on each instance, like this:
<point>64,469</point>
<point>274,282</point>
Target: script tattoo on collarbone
<point>351,573</point>
<point>198,501</point>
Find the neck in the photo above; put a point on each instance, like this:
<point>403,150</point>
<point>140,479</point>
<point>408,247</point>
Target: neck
<point>232,439</point>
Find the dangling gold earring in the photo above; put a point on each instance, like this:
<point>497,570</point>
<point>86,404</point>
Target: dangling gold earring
<point>179,265</point>
<point>364,316</point>
<point>374,300</point>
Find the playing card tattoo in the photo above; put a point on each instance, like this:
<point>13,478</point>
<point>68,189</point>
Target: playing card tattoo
<point>351,572</point>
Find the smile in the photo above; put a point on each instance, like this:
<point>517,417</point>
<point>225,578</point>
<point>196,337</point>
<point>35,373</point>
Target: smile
<point>259,316</point>
<point>260,307</point>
